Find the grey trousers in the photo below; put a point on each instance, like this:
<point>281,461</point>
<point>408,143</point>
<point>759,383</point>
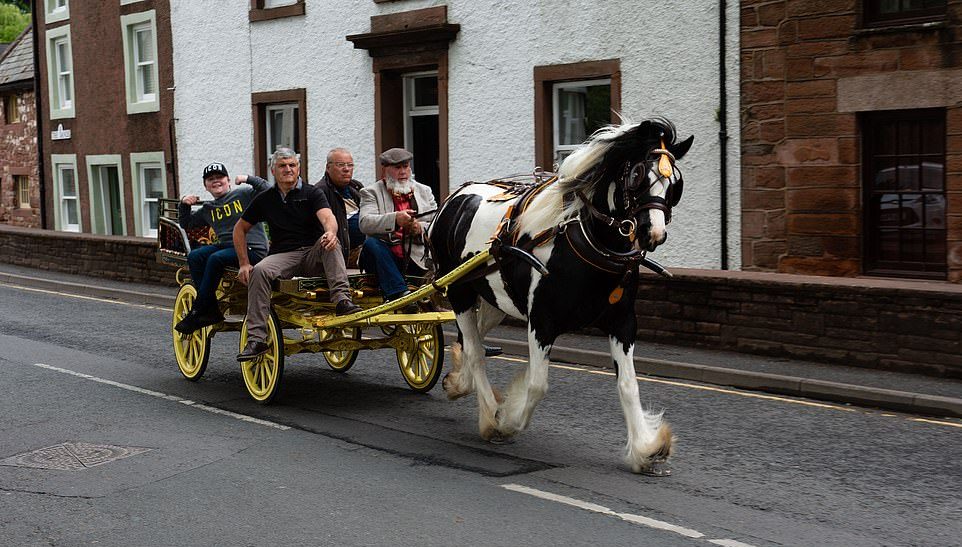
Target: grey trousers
<point>306,261</point>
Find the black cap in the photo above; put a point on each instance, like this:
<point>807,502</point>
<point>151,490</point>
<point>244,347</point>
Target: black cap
<point>215,169</point>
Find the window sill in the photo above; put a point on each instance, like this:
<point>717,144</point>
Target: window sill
<point>143,108</point>
<point>895,28</point>
<point>262,14</point>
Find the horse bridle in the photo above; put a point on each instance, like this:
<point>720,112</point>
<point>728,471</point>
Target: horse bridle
<point>631,182</point>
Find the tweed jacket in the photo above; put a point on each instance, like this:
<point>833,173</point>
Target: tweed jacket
<point>377,216</point>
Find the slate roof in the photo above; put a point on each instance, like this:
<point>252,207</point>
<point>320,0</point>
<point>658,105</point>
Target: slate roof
<point>16,63</point>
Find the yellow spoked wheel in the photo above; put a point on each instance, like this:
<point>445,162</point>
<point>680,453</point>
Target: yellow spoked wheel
<point>262,376</point>
<point>340,361</point>
<point>192,350</point>
<point>421,355</point>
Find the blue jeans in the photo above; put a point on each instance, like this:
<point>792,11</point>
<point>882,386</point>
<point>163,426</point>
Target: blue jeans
<point>207,265</point>
<point>354,229</point>
<point>376,258</point>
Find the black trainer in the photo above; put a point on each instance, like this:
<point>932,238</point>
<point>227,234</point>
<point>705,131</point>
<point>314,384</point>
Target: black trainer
<point>188,324</point>
<point>407,308</point>
<point>492,351</point>
<point>210,316</point>
<point>346,307</point>
<point>252,351</point>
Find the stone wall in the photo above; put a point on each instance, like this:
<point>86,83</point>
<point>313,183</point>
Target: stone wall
<point>909,326</point>
<point>18,156</point>
<point>809,69</point>
<point>119,258</point>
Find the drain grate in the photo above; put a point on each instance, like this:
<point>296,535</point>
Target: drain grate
<point>72,456</point>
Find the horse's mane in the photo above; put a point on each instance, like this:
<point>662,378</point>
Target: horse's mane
<point>600,158</point>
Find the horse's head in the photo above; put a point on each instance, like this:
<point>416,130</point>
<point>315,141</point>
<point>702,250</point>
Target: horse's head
<point>652,186</point>
<point>630,172</point>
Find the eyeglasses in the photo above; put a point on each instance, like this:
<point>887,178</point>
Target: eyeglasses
<point>341,164</point>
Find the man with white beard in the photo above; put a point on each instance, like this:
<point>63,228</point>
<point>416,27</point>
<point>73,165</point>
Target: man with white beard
<point>389,217</point>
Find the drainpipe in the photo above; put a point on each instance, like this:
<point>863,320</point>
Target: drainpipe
<point>723,128</point>
<point>38,114</point>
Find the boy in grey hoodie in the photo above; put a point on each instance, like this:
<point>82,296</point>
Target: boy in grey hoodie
<point>207,263</point>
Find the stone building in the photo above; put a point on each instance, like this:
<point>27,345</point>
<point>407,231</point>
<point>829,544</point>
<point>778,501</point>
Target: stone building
<point>106,86</point>
<point>477,88</point>
<point>852,137</point>
<point>20,202</point>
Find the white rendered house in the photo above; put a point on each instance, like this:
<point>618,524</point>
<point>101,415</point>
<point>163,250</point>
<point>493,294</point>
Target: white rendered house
<point>475,88</point>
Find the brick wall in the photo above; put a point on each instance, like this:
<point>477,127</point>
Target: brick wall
<point>18,156</point>
<point>119,258</point>
<point>801,180</point>
<point>909,326</point>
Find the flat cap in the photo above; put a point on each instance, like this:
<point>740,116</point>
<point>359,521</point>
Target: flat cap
<point>395,156</point>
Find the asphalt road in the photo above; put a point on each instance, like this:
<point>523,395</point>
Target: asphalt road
<point>358,459</point>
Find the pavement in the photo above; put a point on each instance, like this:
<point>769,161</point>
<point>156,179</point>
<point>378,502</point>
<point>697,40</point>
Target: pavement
<point>916,394</point>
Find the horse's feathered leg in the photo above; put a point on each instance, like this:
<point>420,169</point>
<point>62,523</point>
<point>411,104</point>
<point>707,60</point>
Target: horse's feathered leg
<point>470,375</point>
<point>526,389</point>
<point>650,440</point>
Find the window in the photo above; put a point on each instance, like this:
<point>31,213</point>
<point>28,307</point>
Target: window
<point>571,102</point>
<point>66,198</point>
<point>273,9</point>
<point>904,186</point>
<point>421,126</point>
<point>279,122</point>
<point>411,85</point>
<point>11,108</point>
<point>146,84</point>
<point>140,62</point>
<point>578,110</point>
<point>150,184</point>
<point>60,73</point>
<point>21,184</point>
<point>106,190</point>
<point>891,12</point>
<point>57,10</point>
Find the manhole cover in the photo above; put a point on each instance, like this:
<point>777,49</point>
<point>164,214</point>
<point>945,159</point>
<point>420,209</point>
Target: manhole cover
<point>72,455</point>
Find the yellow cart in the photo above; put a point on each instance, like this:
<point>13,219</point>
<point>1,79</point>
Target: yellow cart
<point>302,320</point>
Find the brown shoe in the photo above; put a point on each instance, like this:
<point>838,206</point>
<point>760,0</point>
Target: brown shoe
<point>252,351</point>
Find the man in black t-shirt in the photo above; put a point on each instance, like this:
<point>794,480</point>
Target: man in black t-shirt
<point>303,234</point>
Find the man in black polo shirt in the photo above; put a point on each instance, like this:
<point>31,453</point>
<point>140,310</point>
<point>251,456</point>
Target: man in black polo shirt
<point>303,234</point>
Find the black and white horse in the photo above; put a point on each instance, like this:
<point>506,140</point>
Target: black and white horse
<point>573,262</point>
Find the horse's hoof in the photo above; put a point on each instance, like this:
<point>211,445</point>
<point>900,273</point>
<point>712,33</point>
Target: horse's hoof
<point>447,383</point>
<point>653,469</point>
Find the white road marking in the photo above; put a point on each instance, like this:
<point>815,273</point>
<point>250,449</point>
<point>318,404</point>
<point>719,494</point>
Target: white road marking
<point>166,397</point>
<point>729,543</point>
<point>82,297</point>
<point>627,517</point>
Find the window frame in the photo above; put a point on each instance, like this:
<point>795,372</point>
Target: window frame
<point>57,162</point>
<point>872,16</point>
<point>94,163</point>
<point>59,110</point>
<point>258,11</point>
<point>137,162</point>
<point>556,87</point>
<point>21,191</point>
<point>137,102</point>
<point>260,103</point>
<point>11,105</point>
<point>53,14</point>
<point>871,123</point>
<point>545,78</point>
